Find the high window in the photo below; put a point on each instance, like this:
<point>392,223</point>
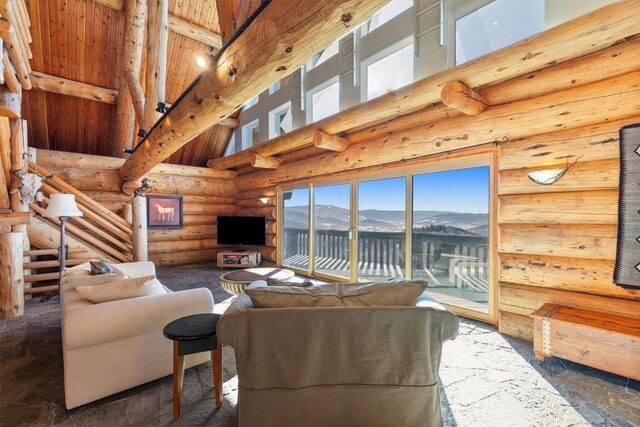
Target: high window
<point>323,56</point>
<point>280,121</point>
<point>231,145</point>
<point>386,14</point>
<point>494,26</point>
<point>390,73</point>
<point>325,102</point>
<point>250,134</point>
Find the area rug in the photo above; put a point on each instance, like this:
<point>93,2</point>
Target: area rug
<point>627,269</point>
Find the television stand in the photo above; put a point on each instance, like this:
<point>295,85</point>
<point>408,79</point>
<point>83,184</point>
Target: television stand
<point>239,259</point>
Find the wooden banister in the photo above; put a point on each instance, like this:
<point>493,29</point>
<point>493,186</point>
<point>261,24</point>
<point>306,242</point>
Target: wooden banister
<point>82,198</point>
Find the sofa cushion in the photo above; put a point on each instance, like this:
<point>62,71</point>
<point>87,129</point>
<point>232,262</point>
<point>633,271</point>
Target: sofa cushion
<point>405,293</point>
<point>121,289</point>
<point>74,281</point>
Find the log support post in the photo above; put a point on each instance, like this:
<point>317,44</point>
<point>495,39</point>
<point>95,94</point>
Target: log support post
<point>140,248</point>
<point>457,95</point>
<point>135,12</point>
<point>11,275</point>
<point>156,72</point>
<point>137,97</point>
<point>330,142</point>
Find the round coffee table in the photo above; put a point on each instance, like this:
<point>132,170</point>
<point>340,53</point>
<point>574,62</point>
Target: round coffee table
<point>235,282</point>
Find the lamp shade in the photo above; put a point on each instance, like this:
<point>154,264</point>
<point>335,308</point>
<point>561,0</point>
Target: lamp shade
<point>62,205</point>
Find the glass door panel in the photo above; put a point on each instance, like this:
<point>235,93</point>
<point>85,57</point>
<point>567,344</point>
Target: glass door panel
<point>450,243</point>
<point>332,221</point>
<point>381,229</point>
<point>295,228</point>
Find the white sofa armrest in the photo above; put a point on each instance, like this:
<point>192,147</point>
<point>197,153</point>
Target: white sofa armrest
<point>99,323</point>
<point>137,269</point>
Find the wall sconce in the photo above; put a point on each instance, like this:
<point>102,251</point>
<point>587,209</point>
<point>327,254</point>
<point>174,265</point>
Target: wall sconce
<point>264,200</point>
<point>550,176</point>
<point>547,176</point>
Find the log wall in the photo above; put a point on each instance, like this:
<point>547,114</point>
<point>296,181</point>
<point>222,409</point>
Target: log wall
<point>206,194</point>
<point>558,242</point>
<point>555,243</point>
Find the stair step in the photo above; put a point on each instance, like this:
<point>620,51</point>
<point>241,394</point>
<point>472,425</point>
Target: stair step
<point>41,289</point>
<point>36,252</point>
<point>53,263</point>
<point>41,277</point>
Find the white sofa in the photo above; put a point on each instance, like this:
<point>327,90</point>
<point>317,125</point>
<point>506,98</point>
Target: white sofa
<point>113,346</point>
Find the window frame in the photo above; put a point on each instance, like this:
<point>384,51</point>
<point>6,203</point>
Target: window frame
<point>486,157</point>
<point>314,90</point>
<point>378,56</point>
<point>253,124</point>
<point>274,114</point>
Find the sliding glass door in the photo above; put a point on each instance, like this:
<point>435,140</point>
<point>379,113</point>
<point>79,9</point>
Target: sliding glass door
<point>450,236</point>
<point>295,228</point>
<point>357,231</point>
<point>381,229</point>
<point>332,230</point>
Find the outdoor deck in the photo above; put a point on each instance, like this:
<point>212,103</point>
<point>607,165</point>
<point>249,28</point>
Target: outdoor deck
<point>455,266</point>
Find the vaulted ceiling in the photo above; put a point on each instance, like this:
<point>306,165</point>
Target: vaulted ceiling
<point>81,40</point>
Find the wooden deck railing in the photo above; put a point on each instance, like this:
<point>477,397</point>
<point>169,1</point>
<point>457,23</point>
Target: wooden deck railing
<point>453,259</point>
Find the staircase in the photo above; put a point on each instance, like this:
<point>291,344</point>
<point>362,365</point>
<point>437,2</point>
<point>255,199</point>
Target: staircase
<point>98,234</point>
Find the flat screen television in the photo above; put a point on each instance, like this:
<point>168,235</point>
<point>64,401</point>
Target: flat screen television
<point>241,230</point>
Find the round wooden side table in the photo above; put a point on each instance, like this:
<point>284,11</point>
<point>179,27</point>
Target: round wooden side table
<point>194,334</point>
<point>236,281</point>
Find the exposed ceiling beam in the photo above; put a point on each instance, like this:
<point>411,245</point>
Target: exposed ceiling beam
<point>62,86</point>
<point>229,122</point>
<point>280,40</point>
<point>457,95</point>
<point>589,33</point>
<point>227,18</point>
<point>199,34</point>
<point>178,26</point>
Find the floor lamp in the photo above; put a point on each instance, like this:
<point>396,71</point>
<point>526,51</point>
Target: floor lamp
<point>62,206</point>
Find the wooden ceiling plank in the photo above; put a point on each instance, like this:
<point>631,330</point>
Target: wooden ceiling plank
<point>282,38</point>
<point>178,25</point>
<point>589,33</point>
<point>135,15</point>
<point>39,128</point>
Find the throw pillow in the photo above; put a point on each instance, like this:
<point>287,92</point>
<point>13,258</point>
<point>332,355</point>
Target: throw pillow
<point>87,280</point>
<point>276,282</point>
<point>405,293</point>
<point>101,267</point>
<point>122,289</point>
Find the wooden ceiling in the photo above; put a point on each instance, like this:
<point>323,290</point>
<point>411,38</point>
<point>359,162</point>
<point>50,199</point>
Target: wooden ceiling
<point>81,40</point>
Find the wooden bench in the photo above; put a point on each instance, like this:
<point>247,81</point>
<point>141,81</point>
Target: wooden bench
<point>603,341</point>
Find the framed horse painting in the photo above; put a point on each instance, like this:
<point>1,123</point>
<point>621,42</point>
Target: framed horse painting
<point>164,211</point>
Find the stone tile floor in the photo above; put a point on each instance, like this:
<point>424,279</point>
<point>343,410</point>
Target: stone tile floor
<point>486,380</point>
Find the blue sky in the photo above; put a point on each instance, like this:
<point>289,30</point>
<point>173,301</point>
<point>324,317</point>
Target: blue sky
<point>461,190</point>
